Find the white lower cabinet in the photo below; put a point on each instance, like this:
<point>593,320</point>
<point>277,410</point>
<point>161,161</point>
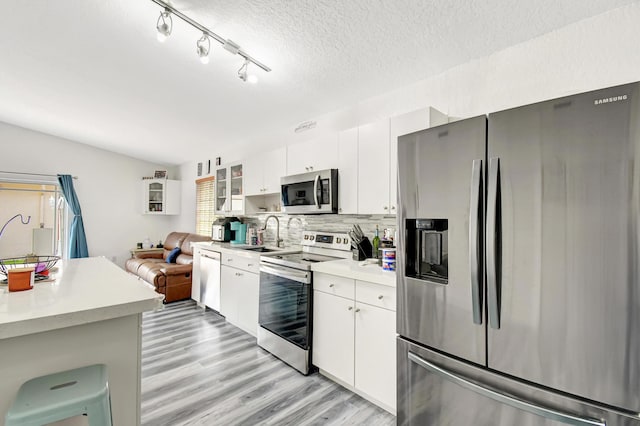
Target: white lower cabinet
<point>354,341</point>
<point>239,292</point>
<point>333,335</point>
<point>375,353</point>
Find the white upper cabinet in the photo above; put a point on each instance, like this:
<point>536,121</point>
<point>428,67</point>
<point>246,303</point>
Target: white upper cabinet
<point>348,171</point>
<point>314,155</point>
<point>373,168</point>
<point>403,124</point>
<point>229,190</point>
<point>161,196</point>
<point>262,172</point>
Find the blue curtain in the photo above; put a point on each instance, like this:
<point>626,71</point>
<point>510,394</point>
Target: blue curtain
<point>77,237</point>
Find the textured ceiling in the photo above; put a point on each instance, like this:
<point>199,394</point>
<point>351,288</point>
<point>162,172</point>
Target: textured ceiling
<point>92,71</point>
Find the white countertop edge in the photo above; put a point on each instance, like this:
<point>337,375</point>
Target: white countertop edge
<point>344,267</point>
<point>40,324</point>
<point>242,248</point>
<point>351,269</point>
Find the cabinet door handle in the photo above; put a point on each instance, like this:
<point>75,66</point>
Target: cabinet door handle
<point>350,308</point>
<point>331,285</point>
<point>238,274</point>
<point>380,297</point>
<point>358,310</point>
<point>385,208</point>
<point>249,264</point>
<point>393,207</point>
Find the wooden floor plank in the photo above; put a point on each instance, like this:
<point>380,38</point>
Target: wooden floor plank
<point>197,369</point>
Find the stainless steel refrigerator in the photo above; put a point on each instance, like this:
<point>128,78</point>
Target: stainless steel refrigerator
<point>518,266</point>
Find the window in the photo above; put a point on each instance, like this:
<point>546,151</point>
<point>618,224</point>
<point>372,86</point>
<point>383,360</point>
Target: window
<point>205,208</point>
<point>46,232</point>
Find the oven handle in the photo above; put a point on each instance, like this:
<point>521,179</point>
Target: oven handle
<point>288,273</point>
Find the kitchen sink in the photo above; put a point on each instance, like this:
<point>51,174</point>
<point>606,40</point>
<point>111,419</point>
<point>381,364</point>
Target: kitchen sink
<point>261,249</point>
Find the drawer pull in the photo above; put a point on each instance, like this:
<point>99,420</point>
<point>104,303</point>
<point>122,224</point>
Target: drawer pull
<point>331,285</point>
<point>249,265</point>
<point>380,297</point>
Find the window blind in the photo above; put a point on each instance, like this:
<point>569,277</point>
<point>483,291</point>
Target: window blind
<point>205,207</point>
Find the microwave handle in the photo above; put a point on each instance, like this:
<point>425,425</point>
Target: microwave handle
<point>316,183</point>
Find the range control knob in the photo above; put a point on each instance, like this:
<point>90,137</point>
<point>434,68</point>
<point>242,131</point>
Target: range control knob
<point>306,237</point>
<point>346,241</point>
<point>338,240</point>
<point>311,237</point>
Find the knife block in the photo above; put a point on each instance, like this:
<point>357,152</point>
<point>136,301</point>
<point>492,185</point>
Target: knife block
<point>362,250</point>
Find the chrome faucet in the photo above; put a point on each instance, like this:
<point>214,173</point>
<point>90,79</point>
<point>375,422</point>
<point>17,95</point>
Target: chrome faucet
<point>278,239</point>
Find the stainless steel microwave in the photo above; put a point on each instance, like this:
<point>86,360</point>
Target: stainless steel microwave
<point>310,193</point>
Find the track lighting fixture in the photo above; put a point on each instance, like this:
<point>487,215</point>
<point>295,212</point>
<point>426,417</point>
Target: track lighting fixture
<point>164,25</point>
<point>203,46</point>
<point>242,73</point>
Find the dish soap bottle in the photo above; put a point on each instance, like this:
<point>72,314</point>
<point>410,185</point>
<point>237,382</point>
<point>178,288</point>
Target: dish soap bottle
<point>376,243</point>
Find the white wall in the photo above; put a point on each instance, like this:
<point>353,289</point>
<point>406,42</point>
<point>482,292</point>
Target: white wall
<point>594,53</point>
<point>108,186</point>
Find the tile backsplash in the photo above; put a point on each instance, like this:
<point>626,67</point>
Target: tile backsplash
<point>291,226</point>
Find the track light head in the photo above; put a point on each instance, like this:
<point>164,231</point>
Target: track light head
<point>203,47</point>
<point>242,73</point>
<point>164,25</point>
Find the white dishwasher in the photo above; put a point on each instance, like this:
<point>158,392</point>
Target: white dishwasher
<point>210,279</point>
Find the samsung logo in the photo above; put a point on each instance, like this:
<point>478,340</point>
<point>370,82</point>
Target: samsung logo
<point>609,100</point>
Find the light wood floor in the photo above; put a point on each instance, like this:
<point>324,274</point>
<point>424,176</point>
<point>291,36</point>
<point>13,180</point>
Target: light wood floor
<point>199,370</point>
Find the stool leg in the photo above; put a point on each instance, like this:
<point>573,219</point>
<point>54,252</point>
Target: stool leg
<point>99,413</point>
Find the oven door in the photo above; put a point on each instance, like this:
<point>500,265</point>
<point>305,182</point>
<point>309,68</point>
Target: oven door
<point>285,303</point>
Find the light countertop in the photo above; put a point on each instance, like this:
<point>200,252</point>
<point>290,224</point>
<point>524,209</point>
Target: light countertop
<point>79,292</point>
<point>348,268</point>
<point>363,271</point>
<point>241,248</point>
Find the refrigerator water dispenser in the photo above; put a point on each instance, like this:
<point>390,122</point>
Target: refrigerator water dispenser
<point>427,249</point>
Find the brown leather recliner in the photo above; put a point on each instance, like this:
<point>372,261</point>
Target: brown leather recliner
<point>171,279</point>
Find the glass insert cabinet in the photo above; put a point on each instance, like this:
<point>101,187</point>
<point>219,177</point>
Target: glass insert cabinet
<point>161,196</point>
<point>229,190</point>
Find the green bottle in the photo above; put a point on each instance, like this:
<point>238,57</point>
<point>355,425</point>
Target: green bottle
<point>376,243</point>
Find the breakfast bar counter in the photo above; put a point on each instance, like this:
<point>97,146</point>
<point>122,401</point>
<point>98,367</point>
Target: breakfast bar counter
<point>89,312</point>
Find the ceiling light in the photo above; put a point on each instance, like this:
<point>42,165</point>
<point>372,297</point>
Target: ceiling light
<point>164,25</point>
<point>242,73</point>
<point>203,46</point>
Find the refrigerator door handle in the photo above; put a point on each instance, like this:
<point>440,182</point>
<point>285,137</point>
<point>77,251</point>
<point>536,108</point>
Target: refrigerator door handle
<point>519,404</point>
<point>475,241</point>
<point>493,285</point>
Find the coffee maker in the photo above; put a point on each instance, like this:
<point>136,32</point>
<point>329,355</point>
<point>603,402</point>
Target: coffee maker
<point>221,229</point>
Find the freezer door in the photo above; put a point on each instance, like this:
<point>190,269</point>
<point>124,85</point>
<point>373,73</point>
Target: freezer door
<point>562,245</point>
<point>437,390</point>
<point>439,249</point>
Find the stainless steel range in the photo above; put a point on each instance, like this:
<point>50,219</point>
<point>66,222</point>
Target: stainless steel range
<point>286,291</point>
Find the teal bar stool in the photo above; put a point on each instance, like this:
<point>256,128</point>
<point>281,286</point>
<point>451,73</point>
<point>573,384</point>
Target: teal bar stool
<point>62,395</point>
